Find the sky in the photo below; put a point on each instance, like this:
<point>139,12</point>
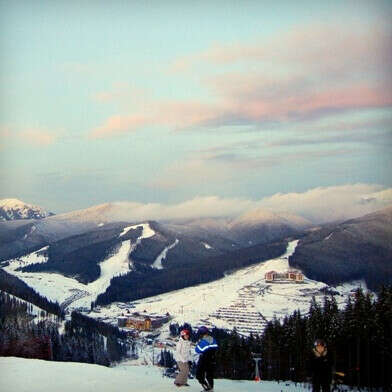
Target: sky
<point>168,102</point>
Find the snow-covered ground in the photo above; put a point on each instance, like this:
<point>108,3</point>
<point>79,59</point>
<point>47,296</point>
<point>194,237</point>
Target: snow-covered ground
<point>36,257</point>
<point>34,375</point>
<point>207,246</point>
<point>243,299</point>
<point>68,291</point>
<point>147,231</point>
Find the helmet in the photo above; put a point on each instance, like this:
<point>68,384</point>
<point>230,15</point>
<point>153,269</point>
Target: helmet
<point>319,342</point>
<point>184,332</point>
<point>202,330</point>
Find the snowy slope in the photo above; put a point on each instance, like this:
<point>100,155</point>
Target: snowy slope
<point>67,291</point>
<point>11,209</point>
<point>36,257</point>
<point>34,375</point>
<point>158,262</point>
<point>242,299</point>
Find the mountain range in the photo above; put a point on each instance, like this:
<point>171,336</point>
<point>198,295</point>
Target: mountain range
<point>184,252</point>
<point>358,248</point>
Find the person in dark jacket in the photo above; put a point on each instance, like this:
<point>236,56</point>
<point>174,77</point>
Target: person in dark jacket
<point>320,367</point>
<point>206,348</point>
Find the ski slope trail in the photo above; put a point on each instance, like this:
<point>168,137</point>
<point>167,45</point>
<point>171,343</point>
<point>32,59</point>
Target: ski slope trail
<point>158,262</point>
<point>243,313</point>
<point>70,293</point>
<point>242,299</point>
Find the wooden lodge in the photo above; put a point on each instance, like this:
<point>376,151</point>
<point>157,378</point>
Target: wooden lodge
<point>288,276</point>
<point>143,322</point>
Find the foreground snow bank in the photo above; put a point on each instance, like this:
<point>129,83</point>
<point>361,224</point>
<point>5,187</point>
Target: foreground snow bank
<point>34,375</point>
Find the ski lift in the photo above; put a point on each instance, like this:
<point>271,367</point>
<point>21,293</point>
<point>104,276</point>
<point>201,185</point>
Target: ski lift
<point>257,358</point>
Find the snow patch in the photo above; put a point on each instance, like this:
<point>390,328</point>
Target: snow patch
<point>158,262</point>
<point>37,257</point>
<point>33,228</point>
<point>147,231</point>
<point>69,291</point>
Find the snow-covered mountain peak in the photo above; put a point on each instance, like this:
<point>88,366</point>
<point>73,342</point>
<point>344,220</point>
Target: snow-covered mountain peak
<point>263,216</point>
<point>11,209</point>
<point>258,215</point>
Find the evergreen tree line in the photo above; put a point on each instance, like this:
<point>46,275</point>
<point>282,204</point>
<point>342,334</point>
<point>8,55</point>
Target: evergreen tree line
<point>83,339</point>
<point>15,286</point>
<point>359,340</point>
<point>19,335</point>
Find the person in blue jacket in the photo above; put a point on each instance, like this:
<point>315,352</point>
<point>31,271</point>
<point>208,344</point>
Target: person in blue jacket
<point>206,348</point>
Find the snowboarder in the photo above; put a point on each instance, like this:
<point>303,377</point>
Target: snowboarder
<point>320,367</point>
<point>183,357</point>
<point>206,347</point>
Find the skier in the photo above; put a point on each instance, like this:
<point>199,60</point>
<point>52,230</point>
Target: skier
<point>183,357</point>
<point>206,347</point>
<point>321,367</point>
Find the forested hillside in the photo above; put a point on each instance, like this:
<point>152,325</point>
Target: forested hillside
<point>145,282</point>
<point>83,339</point>
<point>356,249</point>
<point>13,285</point>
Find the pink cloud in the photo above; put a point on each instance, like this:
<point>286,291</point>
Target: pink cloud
<point>119,124</point>
<point>251,101</point>
<point>304,73</point>
<point>175,114</point>
<point>37,136</point>
<point>181,114</point>
<point>314,45</point>
<point>284,104</point>
<point>290,106</point>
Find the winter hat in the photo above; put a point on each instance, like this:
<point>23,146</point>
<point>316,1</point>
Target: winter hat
<point>202,330</point>
<point>319,342</point>
<point>184,332</point>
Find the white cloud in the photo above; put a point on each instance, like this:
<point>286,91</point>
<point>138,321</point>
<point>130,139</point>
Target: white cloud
<point>325,204</point>
<point>199,207</point>
<point>319,205</point>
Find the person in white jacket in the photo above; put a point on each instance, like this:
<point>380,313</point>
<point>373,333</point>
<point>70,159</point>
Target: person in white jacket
<point>183,356</point>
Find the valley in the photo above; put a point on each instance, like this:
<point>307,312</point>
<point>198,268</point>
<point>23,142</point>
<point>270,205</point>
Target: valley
<point>241,300</point>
